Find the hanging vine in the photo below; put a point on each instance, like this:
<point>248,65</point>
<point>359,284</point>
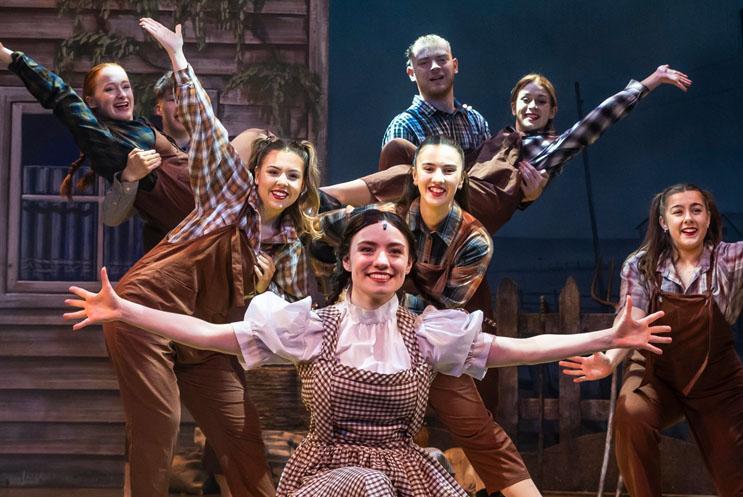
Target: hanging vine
<point>276,85</point>
<point>284,86</point>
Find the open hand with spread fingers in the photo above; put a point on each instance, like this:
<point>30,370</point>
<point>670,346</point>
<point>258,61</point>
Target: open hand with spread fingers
<point>171,41</point>
<point>639,334</point>
<point>591,368</point>
<point>100,307</point>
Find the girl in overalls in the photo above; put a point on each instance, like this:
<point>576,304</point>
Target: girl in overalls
<point>113,140</point>
<point>243,237</point>
<point>453,254</point>
<point>366,363</point>
<point>684,269</point>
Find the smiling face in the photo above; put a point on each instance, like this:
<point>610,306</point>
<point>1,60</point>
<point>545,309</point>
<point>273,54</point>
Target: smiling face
<point>166,107</point>
<point>438,173</point>
<point>112,96</point>
<point>686,219</point>
<point>432,68</point>
<point>532,108</point>
<point>378,260</point>
<point>280,179</point>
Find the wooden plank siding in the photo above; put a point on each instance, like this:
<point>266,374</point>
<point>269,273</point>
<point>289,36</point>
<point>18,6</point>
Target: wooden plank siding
<point>61,420</point>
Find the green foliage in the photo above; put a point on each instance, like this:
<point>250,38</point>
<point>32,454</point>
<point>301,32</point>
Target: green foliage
<point>99,46</point>
<point>143,86</point>
<point>277,85</point>
<point>282,87</point>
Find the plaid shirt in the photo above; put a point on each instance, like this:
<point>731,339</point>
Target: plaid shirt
<point>727,279</point>
<point>106,143</point>
<point>225,193</point>
<point>465,125</point>
<point>551,152</point>
<point>469,264</point>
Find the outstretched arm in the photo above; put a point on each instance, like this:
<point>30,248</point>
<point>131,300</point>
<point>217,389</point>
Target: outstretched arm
<point>589,129</point>
<point>107,155</point>
<point>106,306</point>
<point>601,364</point>
<point>627,333</point>
<point>354,193</point>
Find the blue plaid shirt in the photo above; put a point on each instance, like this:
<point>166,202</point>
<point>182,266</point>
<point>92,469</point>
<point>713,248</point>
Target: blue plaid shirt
<point>465,125</point>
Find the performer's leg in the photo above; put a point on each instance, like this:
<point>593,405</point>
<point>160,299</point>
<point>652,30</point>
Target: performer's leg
<point>642,412</point>
<point>492,453</point>
<point>717,423</point>
<point>143,363</point>
<point>214,392</point>
<point>396,151</point>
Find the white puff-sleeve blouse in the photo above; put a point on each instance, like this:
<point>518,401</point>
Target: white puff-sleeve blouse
<point>275,331</point>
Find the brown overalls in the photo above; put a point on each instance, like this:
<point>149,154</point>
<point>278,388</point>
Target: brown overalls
<point>203,277</point>
<point>171,199</point>
<point>698,376</point>
<point>456,400</point>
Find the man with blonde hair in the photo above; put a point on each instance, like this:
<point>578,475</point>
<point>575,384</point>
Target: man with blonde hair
<point>435,111</point>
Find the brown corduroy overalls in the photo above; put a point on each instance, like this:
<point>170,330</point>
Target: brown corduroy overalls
<point>698,376</point>
<point>203,277</point>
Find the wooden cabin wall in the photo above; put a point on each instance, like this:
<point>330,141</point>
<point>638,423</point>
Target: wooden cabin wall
<point>61,421</point>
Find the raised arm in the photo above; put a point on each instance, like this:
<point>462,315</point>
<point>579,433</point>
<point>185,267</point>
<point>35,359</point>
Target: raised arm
<point>589,129</point>
<point>106,154</point>
<point>106,306</point>
<point>626,333</point>
<point>218,176</point>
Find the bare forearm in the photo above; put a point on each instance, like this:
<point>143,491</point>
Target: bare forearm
<point>354,193</point>
<point>616,356</point>
<point>6,56</point>
<point>546,348</point>
<point>181,328</point>
<point>178,60</point>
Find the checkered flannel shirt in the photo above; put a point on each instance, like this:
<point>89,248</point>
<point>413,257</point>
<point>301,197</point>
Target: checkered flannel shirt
<point>551,151</point>
<point>465,125</point>
<point>727,279</point>
<point>106,143</point>
<point>225,192</point>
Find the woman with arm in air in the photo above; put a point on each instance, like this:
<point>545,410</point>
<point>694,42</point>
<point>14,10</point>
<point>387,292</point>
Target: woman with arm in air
<point>496,178</point>
<point>243,236</point>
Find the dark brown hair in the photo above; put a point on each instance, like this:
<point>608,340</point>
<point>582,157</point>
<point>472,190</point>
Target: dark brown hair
<point>357,223</point>
<point>411,190</point>
<point>657,244</point>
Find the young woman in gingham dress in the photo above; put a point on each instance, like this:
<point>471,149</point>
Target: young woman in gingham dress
<point>366,363</point>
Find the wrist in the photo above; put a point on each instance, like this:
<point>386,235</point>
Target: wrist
<point>178,60</point>
<point>127,176</point>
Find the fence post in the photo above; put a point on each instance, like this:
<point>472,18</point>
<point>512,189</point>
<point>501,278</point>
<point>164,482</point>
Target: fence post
<point>507,317</point>
<point>569,401</point>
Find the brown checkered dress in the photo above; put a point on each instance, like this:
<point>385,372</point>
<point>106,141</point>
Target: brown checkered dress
<point>362,424</point>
